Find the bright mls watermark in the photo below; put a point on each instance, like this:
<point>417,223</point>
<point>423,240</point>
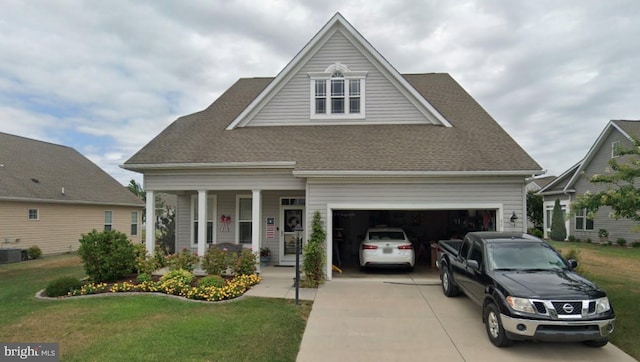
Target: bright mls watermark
<point>29,352</point>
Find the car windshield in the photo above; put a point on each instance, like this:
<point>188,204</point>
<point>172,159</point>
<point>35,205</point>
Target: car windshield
<point>523,256</point>
<point>386,235</point>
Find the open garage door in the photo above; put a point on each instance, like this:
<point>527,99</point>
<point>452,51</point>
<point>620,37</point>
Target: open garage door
<point>423,227</point>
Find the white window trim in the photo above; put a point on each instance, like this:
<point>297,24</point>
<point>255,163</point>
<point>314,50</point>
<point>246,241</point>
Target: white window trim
<point>615,149</point>
<point>326,76</point>
<point>37,215</point>
<point>105,220</point>
<point>134,223</point>
<point>211,202</point>
<point>584,221</point>
<point>237,223</point>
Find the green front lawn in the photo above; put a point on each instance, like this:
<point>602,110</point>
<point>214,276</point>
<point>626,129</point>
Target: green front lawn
<point>144,327</point>
<point>616,270</point>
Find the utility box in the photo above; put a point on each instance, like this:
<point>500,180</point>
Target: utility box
<point>10,256</point>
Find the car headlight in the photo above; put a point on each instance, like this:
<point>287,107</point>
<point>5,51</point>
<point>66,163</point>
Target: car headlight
<point>602,305</point>
<point>520,304</point>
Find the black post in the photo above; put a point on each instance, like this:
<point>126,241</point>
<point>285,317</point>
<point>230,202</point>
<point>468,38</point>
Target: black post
<point>297,265</point>
<point>298,230</point>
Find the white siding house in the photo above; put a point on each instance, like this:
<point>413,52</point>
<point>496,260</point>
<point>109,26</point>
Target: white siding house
<point>341,132</point>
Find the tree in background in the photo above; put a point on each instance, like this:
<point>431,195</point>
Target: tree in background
<point>137,190</point>
<point>621,195</point>
<point>558,229</point>
<point>535,210</point>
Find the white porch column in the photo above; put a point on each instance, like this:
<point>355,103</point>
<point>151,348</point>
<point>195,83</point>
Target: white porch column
<point>202,222</point>
<point>150,229</point>
<point>256,206</point>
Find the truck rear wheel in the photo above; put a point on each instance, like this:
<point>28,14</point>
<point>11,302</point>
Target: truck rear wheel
<point>448,288</point>
<point>494,328</point>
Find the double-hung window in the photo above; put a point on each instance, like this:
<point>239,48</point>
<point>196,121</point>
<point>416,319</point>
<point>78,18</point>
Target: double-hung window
<point>33,214</point>
<point>108,220</point>
<point>337,93</point>
<point>582,221</point>
<point>245,219</point>
<point>134,223</point>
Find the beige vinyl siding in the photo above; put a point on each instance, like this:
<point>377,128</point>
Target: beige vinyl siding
<point>60,226</point>
<point>621,228</point>
<point>383,102</point>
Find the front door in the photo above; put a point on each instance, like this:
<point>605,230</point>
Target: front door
<point>292,211</point>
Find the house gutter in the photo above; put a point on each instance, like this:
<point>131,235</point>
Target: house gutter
<point>74,202</point>
<point>399,174</point>
<point>208,165</point>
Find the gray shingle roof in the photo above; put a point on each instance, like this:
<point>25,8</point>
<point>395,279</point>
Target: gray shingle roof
<point>475,142</point>
<point>31,169</point>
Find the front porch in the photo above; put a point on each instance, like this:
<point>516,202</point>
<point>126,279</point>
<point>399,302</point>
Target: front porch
<point>254,219</point>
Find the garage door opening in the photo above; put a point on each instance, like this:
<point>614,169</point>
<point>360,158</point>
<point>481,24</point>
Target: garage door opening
<point>423,227</point>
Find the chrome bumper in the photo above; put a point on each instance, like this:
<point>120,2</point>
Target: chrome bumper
<point>555,330</point>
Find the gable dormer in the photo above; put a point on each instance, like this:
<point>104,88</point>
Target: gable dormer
<point>338,78</point>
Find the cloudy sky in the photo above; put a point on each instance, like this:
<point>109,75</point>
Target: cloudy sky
<point>105,77</point>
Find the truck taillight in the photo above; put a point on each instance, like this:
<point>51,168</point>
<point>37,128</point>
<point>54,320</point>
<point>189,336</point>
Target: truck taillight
<point>405,247</point>
<point>369,247</point>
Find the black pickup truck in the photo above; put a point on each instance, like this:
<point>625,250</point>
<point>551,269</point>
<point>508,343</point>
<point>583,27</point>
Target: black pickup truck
<point>527,290</point>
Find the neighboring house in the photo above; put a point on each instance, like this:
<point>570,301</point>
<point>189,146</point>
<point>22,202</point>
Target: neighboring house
<point>536,183</point>
<point>341,132</point>
<point>575,181</point>
<point>51,194</point>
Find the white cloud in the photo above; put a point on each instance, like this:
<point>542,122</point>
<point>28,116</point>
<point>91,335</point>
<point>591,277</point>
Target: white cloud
<point>117,73</point>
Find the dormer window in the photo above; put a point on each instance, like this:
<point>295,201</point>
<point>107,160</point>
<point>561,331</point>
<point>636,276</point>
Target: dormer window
<point>337,93</point>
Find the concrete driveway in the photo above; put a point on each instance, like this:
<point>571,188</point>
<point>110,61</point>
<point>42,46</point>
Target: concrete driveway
<point>407,319</point>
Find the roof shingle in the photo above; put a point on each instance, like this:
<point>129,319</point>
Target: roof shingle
<point>475,142</point>
<point>31,169</point>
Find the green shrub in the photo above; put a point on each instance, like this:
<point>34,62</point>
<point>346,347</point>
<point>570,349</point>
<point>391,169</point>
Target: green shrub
<point>144,278</point>
<point>621,241</point>
<point>62,286</point>
<point>185,259</point>
<point>215,261</point>
<point>558,228</point>
<point>314,261</point>
<point>603,233</point>
<point>107,255</point>
<point>537,233</point>
<point>243,264</point>
<point>34,252</point>
<point>212,281</point>
<point>161,254</point>
<point>588,240</point>
<point>145,264</point>
<point>571,238</point>
<point>636,244</point>
<point>176,282</point>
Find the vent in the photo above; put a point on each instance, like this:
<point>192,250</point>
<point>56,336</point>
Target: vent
<point>35,180</point>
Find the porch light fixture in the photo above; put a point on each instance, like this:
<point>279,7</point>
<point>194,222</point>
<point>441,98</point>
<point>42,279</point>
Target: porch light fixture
<point>513,219</point>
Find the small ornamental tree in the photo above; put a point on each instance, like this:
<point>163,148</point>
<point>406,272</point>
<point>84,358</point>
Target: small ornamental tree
<point>107,255</point>
<point>621,193</point>
<point>314,254</point>
<point>558,229</point>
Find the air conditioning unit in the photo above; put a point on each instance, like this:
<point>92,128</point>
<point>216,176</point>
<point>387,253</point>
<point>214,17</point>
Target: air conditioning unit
<point>10,256</point>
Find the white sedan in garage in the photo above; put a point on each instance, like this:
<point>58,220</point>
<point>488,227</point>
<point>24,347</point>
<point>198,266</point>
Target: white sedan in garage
<point>386,247</point>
